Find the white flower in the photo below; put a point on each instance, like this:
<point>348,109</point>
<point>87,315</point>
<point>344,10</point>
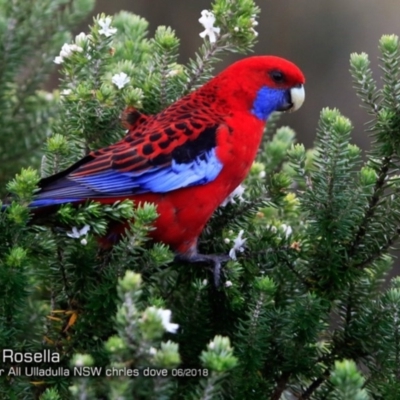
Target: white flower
<point>106,30</point>
<point>272,228</point>
<point>207,20</point>
<point>172,73</point>
<point>58,60</point>
<point>66,51</point>
<point>238,192</point>
<point>175,70</point>
<point>79,360</point>
<point>81,38</point>
<point>152,351</point>
<point>236,29</point>
<point>66,92</point>
<point>262,174</point>
<point>77,234</point>
<point>205,282</point>
<point>165,316</point>
<point>120,80</point>
<point>227,240</point>
<point>237,245</point>
<point>287,230</point>
<point>253,24</point>
<point>253,21</point>
<point>48,96</point>
<point>228,284</point>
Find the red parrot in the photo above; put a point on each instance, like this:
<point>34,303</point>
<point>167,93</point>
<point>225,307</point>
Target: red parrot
<point>188,158</point>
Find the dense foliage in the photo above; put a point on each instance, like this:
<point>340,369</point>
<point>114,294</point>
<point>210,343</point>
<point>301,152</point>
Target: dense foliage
<point>301,313</point>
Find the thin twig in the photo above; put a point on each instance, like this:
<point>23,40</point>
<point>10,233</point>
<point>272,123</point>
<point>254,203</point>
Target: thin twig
<point>382,250</point>
<point>209,53</point>
<point>281,385</point>
<point>315,385</point>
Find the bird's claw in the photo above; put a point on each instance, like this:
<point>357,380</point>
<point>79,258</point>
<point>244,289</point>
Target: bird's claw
<point>215,259</point>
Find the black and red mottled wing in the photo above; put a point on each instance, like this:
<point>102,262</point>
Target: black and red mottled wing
<point>132,118</point>
<point>165,152</point>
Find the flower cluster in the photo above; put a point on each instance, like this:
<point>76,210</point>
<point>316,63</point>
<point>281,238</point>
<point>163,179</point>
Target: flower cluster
<point>82,38</point>
<point>284,229</point>
<point>253,24</point>
<point>66,51</point>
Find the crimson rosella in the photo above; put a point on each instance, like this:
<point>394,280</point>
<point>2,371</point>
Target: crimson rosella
<point>188,158</point>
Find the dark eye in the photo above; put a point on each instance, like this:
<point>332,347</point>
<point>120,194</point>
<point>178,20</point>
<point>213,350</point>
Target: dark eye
<point>277,76</point>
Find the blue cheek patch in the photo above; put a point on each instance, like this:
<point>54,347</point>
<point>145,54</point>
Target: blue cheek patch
<point>267,101</point>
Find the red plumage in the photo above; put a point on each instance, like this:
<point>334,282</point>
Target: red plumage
<point>208,139</point>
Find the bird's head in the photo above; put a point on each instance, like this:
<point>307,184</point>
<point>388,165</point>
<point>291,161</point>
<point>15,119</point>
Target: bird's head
<point>263,84</point>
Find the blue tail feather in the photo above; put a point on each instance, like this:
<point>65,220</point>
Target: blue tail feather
<point>51,202</point>
<point>44,203</point>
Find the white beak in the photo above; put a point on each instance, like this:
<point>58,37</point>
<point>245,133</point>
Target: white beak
<point>297,95</point>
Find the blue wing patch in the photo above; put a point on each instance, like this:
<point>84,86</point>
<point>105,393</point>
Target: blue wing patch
<point>201,170</point>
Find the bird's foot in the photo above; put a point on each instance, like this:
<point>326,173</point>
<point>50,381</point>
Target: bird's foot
<point>214,259</point>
